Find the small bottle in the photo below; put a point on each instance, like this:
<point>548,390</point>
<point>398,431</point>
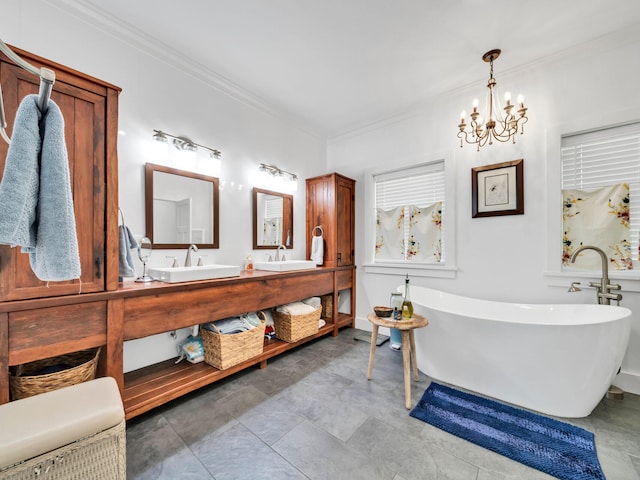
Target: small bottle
<point>407,306</point>
<point>396,304</point>
<point>248,264</point>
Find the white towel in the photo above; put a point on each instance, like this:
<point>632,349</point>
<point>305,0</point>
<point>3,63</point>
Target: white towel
<point>315,302</point>
<point>296,308</point>
<point>317,249</point>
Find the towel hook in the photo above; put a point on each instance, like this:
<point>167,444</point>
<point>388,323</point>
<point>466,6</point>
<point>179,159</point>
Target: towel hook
<point>317,227</point>
<point>121,215</point>
<point>47,79</point>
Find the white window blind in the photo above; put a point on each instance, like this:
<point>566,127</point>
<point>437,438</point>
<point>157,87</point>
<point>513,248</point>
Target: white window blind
<point>604,157</point>
<point>273,208</point>
<point>420,185</point>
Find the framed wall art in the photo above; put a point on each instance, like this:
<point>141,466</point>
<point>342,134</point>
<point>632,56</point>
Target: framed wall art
<point>497,189</point>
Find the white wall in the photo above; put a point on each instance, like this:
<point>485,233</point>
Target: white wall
<point>156,95</point>
<point>500,258</point>
<point>503,258</point>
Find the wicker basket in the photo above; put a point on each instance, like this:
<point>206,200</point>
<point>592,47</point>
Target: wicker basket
<point>81,368</point>
<point>226,350</point>
<point>327,305</point>
<point>292,328</point>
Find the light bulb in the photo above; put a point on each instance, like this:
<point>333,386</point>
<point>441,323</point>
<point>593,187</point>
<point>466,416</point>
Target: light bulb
<point>520,100</point>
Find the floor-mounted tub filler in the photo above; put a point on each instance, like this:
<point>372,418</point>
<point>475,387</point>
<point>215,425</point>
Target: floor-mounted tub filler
<point>554,359</point>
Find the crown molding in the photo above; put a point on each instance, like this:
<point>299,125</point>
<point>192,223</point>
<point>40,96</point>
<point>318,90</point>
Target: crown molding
<point>152,46</point>
<point>603,43</point>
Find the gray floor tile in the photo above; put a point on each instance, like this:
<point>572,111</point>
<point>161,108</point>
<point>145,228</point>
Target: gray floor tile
<point>238,454</point>
<point>322,456</point>
<point>156,452</point>
<point>271,420</point>
<point>412,457</point>
<point>312,414</point>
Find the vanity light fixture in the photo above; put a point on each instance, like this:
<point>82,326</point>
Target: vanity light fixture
<point>287,179</point>
<point>184,143</point>
<point>277,172</point>
<point>496,126</point>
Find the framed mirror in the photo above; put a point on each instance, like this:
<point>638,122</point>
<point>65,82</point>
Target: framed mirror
<point>272,219</point>
<point>181,208</point>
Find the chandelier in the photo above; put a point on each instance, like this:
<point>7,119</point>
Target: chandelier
<point>496,127</point>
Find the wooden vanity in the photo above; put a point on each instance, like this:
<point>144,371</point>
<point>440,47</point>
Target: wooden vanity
<point>34,329</point>
<point>41,319</point>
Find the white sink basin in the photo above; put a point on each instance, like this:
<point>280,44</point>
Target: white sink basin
<point>189,274</point>
<point>285,265</point>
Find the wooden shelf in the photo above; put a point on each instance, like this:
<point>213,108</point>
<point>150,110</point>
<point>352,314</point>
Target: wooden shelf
<point>156,384</point>
<point>345,320</point>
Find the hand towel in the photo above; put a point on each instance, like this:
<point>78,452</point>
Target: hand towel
<point>315,302</point>
<point>127,242</point>
<point>296,308</point>
<point>36,194</point>
<point>20,181</point>
<point>317,249</point>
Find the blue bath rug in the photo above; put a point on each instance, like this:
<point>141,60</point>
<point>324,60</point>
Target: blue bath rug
<point>557,448</point>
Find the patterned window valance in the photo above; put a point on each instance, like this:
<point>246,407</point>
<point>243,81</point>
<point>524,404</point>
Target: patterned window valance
<point>598,217</point>
<point>410,233</point>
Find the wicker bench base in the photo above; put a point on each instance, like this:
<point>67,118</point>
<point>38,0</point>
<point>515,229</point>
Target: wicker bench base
<point>98,457</point>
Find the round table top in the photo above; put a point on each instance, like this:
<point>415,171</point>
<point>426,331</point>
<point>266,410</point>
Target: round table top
<point>417,321</point>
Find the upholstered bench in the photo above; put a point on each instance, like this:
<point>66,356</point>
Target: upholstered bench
<point>75,432</point>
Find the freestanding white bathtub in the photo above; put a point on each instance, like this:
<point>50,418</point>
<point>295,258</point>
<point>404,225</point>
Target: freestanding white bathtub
<point>555,359</point>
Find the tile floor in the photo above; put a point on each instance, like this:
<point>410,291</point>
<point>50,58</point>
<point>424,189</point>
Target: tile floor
<point>312,414</point>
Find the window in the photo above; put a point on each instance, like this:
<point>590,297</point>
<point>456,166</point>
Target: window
<point>604,157</point>
<point>415,186</point>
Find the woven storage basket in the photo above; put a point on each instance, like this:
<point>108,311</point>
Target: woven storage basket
<point>327,305</point>
<point>226,350</point>
<point>82,368</point>
<point>292,328</point>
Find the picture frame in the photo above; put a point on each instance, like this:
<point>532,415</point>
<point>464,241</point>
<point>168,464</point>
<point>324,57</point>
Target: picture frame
<point>498,189</point>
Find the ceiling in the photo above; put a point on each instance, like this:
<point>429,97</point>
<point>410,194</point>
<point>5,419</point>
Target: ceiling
<point>337,65</point>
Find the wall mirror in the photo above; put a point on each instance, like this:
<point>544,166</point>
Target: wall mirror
<point>272,219</point>
<point>181,208</point>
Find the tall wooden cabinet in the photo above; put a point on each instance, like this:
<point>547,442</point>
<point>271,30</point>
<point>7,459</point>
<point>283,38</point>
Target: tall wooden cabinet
<point>90,110</point>
<point>331,205</point>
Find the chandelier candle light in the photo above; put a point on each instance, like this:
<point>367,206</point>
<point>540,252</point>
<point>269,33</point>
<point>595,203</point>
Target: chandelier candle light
<point>496,127</point>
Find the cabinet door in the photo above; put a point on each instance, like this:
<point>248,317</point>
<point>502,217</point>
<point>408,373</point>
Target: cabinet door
<point>320,211</point>
<point>345,222</point>
<point>84,116</point>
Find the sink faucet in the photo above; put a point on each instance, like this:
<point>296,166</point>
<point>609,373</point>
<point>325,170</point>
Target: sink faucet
<point>278,253</point>
<point>187,261</point>
<point>603,289</point>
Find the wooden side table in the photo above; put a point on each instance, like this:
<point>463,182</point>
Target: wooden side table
<point>406,327</point>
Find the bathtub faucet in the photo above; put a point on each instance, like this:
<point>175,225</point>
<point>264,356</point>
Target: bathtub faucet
<point>603,289</point>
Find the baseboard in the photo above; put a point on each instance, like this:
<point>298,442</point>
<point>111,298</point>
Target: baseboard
<point>363,324</point>
<point>629,382</point>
